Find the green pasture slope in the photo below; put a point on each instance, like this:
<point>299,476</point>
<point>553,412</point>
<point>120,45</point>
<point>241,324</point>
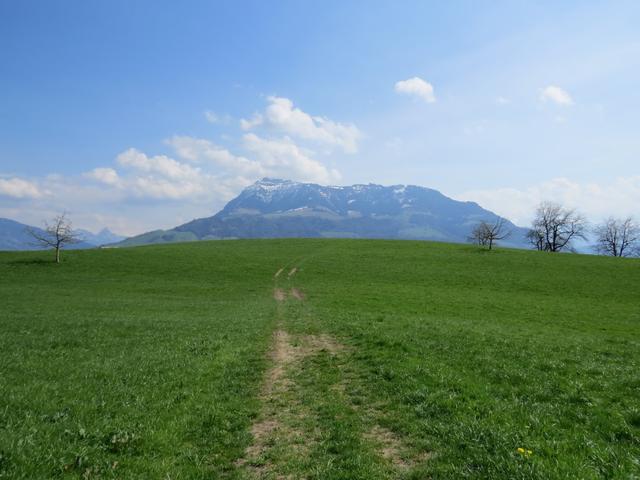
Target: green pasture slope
<point>430,361</point>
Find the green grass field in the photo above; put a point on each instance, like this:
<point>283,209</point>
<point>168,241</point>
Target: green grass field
<point>372,360</point>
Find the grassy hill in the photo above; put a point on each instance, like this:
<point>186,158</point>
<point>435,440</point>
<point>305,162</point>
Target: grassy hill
<point>158,236</point>
<point>360,359</point>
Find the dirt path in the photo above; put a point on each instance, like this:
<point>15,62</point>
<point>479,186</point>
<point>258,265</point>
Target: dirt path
<point>280,435</point>
<point>287,429</point>
<point>274,386</point>
<point>297,294</point>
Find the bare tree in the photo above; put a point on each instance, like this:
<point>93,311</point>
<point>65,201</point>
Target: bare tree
<point>617,237</point>
<point>486,234</point>
<point>479,234</point>
<point>554,227</point>
<point>56,235</point>
<point>536,239</point>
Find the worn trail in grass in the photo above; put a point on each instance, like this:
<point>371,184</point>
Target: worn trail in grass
<point>308,426</point>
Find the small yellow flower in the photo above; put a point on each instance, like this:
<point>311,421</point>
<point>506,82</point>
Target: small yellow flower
<point>524,452</point>
<point>520,450</point>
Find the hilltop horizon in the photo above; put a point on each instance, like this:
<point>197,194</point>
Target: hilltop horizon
<point>106,229</point>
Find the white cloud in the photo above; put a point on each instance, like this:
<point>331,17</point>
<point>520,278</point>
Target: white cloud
<point>557,95</point>
<point>19,188</point>
<point>503,101</point>
<point>211,117</point>
<point>161,177</point>
<point>254,121</point>
<point>281,116</point>
<point>159,164</point>
<point>620,197</point>
<point>283,158</point>
<point>200,150</point>
<point>280,157</point>
<point>108,176</point>
<point>139,192</point>
<point>417,87</point>
<point>162,188</point>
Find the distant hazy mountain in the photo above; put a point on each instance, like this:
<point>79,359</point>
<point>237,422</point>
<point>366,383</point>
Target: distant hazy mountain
<point>14,236</point>
<point>282,208</point>
<point>103,237</point>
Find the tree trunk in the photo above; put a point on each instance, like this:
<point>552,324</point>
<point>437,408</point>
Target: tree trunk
<point>57,254</point>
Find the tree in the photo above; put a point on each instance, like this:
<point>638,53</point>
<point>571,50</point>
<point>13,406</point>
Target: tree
<point>479,234</point>
<point>486,234</point>
<point>554,227</point>
<point>536,239</point>
<point>617,237</point>
<point>56,235</point>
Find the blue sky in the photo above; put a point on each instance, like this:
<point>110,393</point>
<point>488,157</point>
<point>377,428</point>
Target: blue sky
<point>139,115</point>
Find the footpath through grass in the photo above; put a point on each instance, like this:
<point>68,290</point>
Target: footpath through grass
<point>375,359</point>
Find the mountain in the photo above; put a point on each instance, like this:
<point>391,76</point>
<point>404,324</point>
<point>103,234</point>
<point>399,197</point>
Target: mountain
<point>282,208</point>
<point>103,237</point>
<point>14,236</point>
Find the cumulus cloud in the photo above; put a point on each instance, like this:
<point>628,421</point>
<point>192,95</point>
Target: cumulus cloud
<point>162,188</point>
<point>159,164</point>
<point>200,150</point>
<point>211,117</point>
<point>108,176</point>
<point>283,158</point>
<point>556,95</point>
<point>137,191</point>
<point>19,188</point>
<point>206,170</point>
<point>254,121</point>
<point>282,116</point>
<point>620,197</point>
<point>417,87</point>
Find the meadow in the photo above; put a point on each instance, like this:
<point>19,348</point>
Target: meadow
<point>319,359</point>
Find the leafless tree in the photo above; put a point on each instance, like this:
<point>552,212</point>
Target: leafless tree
<point>479,234</point>
<point>486,234</point>
<point>617,237</point>
<point>536,239</point>
<point>554,227</point>
<point>56,235</point>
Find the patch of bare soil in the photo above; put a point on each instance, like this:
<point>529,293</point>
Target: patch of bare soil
<point>292,272</point>
<point>297,294</point>
<point>279,294</point>
<point>389,446</point>
<point>282,354</point>
<point>313,344</point>
<point>277,274</point>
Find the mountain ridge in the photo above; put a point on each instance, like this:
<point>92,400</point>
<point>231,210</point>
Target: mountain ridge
<point>275,208</point>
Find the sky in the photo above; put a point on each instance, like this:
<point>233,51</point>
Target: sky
<point>139,115</point>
